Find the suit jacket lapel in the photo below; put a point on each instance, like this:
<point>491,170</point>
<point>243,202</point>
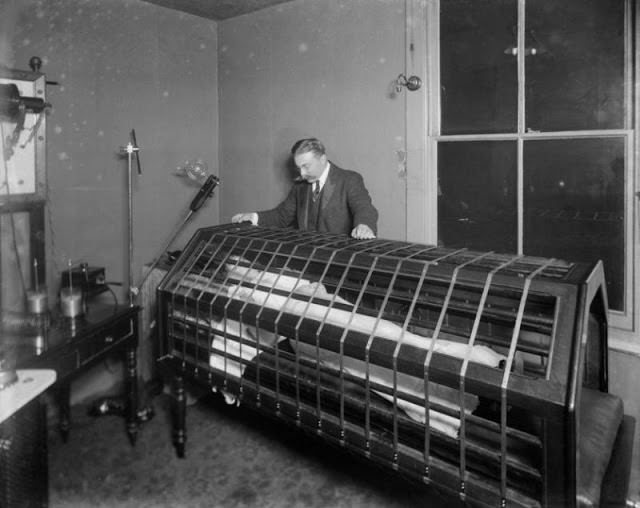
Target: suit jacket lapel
<point>328,188</point>
<point>305,198</point>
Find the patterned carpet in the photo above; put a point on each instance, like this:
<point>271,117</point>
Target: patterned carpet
<point>233,460</point>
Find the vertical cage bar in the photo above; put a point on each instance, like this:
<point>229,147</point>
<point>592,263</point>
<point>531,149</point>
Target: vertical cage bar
<point>247,301</point>
<point>231,297</point>
<point>356,305</point>
<point>207,287</point>
<point>396,351</point>
<point>321,327</point>
<point>182,283</point>
<point>505,378</point>
<point>465,364</point>
<point>367,348</point>
<point>296,334</point>
<point>221,292</point>
<point>429,356</point>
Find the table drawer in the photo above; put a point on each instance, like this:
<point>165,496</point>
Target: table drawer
<point>98,343</point>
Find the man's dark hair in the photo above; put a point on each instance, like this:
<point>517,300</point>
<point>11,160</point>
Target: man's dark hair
<point>308,145</point>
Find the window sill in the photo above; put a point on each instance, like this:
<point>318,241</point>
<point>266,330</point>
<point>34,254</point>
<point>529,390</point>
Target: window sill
<point>624,341</point>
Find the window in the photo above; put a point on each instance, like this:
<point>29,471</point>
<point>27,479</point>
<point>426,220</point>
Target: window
<point>532,132</point>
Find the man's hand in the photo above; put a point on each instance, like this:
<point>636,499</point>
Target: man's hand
<point>251,217</point>
<point>362,232</point>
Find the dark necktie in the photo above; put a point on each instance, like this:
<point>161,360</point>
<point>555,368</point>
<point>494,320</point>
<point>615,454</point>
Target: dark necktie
<point>316,190</point>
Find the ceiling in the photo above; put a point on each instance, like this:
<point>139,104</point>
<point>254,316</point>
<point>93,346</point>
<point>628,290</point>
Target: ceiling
<point>217,9</point>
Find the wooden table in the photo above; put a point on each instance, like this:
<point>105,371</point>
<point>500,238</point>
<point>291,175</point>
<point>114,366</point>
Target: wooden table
<point>70,346</point>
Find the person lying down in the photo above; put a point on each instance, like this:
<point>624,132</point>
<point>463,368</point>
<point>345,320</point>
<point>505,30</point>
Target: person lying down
<point>246,342</point>
<point>346,319</point>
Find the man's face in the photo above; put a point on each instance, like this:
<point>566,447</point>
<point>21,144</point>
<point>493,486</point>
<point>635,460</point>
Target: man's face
<point>310,165</point>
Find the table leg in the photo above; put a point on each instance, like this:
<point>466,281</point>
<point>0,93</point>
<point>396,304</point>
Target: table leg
<point>132,394</point>
<point>63,395</point>
<point>179,416</point>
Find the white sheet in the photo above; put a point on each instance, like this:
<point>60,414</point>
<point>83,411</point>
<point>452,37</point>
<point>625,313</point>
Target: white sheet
<point>326,313</point>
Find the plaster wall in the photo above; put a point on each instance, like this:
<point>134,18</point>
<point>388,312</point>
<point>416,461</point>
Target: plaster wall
<point>119,65</point>
<point>321,68</point>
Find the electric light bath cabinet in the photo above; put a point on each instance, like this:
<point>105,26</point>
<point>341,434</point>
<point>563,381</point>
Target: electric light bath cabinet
<point>480,374</point>
<point>23,190</point>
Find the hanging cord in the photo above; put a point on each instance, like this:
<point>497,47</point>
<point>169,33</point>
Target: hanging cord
<point>12,215</point>
<point>113,294</point>
<point>33,129</point>
<point>52,232</point>
<point>55,254</point>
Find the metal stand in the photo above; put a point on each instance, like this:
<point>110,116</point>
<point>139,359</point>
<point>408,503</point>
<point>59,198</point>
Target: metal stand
<point>205,192</point>
<point>130,149</point>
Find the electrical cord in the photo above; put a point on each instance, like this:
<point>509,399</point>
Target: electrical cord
<point>52,231</point>
<point>113,293</point>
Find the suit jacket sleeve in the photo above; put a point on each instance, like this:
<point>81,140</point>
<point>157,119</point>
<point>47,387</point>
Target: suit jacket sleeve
<point>359,202</point>
<point>284,215</point>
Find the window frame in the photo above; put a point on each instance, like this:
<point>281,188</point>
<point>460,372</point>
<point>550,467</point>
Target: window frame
<point>423,135</point>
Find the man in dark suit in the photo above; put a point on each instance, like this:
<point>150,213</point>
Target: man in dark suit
<point>324,198</point>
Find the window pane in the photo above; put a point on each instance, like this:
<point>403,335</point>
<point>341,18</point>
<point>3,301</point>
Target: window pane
<point>574,204</point>
<point>574,64</point>
<point>477,195</point>
<point>478,71</point>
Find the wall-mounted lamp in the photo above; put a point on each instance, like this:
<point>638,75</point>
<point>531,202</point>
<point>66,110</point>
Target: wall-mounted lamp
<point>412,83</point>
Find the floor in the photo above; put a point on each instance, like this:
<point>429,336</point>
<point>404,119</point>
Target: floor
<point>232,461</point>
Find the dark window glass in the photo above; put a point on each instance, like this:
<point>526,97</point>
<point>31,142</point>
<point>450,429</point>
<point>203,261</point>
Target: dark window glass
<point>478,70</point>
<point>477,195</point>
<point>574,65</point>
<point>574,204</point>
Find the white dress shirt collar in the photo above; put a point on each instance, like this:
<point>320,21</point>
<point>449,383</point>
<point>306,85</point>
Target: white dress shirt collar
<point>324,175</point>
